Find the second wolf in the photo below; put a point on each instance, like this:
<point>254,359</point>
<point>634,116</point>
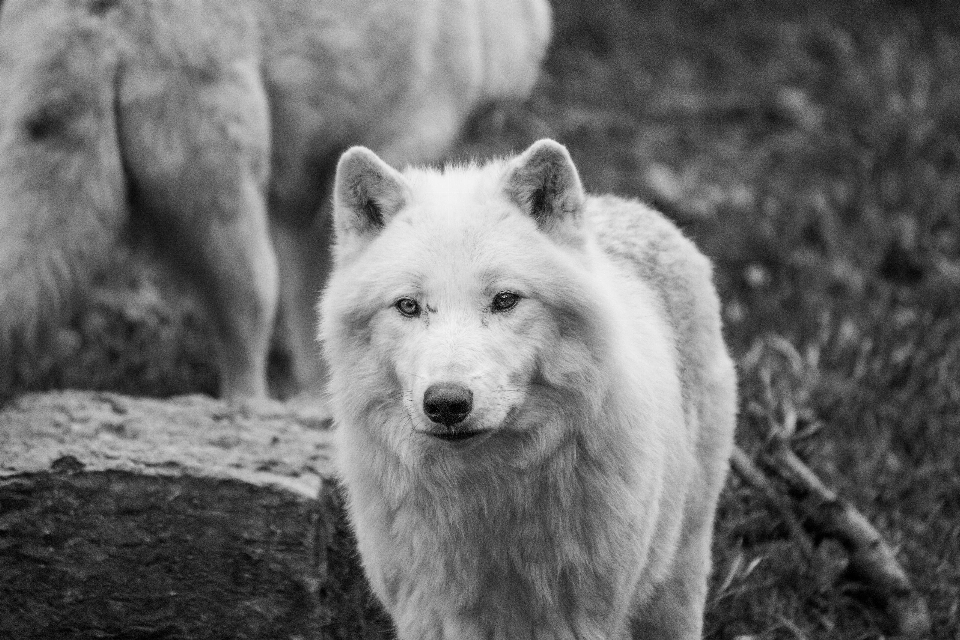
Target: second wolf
<point>213,128</point>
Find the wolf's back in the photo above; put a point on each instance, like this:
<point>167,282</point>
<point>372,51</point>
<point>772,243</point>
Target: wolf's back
<point>62,188</point>
<point>516,36</point>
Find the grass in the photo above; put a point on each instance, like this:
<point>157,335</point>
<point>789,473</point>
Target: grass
<point>812,148</point>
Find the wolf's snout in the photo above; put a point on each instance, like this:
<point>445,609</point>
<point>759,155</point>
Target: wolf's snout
<point>447,403</point>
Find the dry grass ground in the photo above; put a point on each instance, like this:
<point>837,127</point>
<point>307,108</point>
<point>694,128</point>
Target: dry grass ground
<point>813,150</point>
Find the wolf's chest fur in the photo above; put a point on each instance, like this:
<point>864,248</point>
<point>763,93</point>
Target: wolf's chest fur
<point>525,543</point>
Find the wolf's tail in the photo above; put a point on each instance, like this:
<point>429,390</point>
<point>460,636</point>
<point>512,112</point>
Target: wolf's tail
<point>63,194</point>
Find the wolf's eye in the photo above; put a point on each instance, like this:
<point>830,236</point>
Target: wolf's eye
<point>407,307</point>
<point>504,301</point>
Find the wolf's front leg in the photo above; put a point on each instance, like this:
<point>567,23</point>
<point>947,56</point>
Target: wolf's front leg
<point>675,611</point>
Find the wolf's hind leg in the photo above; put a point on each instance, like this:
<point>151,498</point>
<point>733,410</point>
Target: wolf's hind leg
<point>198,154</point>
<point>303,254</point>
<point>227,260</point>
<point>235,273</point>
<point>301,226</point>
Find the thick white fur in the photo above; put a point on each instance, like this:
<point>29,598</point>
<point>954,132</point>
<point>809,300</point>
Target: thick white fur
<point>586,509</point>
<point>213,127</point>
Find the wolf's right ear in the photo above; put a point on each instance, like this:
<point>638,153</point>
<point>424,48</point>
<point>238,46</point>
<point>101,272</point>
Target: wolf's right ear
<point>367,192</point>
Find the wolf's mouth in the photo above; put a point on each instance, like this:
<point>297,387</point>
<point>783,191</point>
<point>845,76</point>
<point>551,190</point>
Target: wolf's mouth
<point>456,436</point>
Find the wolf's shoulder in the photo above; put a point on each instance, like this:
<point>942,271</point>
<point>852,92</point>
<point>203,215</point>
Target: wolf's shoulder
<point>645,245</point>
<point>656,249</point>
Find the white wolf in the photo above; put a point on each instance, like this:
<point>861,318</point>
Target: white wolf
<point>212,127</point>
<point>535,403</point>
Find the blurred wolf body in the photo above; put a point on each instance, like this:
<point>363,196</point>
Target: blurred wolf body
<point>535,405</point>
<point>210,129</point>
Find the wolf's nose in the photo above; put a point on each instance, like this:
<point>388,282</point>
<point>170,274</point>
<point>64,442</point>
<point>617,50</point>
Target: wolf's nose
<point>447,403</point>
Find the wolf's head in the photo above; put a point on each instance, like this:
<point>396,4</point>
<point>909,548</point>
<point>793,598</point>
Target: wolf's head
<point>460,313</point>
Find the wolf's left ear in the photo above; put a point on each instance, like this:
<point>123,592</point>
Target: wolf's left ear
<point>544,183</point>
<point>367,192</point>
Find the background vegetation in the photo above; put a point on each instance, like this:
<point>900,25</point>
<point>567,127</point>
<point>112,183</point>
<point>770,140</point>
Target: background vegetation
<point>812,148</point>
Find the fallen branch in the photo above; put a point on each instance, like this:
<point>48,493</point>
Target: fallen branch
<point>758,481</point>
<point>872,561</point>
<point>807,504</point>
